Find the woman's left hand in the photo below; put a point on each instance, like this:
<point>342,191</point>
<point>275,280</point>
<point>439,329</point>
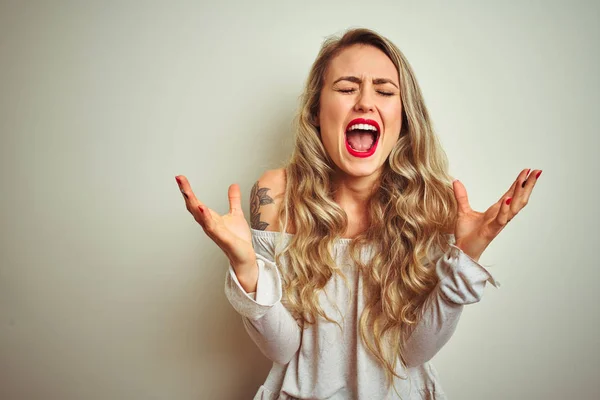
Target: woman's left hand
<point>474,231</point>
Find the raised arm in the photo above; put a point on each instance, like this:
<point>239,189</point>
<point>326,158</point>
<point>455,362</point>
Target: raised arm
<point>267,321</point>
<point>462,281</point>
<point>462,278</point>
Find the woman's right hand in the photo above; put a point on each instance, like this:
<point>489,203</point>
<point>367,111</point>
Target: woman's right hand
<point>230,232</point>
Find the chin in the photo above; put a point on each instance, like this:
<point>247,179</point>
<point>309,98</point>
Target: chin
<point>360,171</point>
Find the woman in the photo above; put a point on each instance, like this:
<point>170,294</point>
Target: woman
<point>362,250</point>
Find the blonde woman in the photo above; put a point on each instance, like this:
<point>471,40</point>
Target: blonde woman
<point>362,250</point>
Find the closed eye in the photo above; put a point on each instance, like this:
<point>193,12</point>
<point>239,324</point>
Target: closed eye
<point>381,92</point>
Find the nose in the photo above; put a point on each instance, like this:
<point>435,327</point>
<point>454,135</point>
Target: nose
<point>364,102</point>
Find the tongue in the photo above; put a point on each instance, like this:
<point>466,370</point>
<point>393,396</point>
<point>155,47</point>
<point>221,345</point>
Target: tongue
<point>360,140</point>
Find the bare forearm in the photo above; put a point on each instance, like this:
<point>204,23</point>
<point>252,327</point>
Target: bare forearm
<point>247,276</point>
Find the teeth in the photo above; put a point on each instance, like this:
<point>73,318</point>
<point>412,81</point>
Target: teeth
<point>364,127</point>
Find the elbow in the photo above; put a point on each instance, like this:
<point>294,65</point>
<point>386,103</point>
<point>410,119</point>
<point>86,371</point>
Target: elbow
<point>282,351</point>
<point>283,358</point>
<point>281,354</point>
<point>280,346</point>
<point>416,360</point>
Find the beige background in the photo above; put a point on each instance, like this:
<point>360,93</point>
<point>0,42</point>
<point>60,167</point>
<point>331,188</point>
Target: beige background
<point>110,290</point>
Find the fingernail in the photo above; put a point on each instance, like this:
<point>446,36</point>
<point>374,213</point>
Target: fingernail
<point>528,171</point>
<point>508,201</point>
<point>178,180</point>
<point>538,174</point>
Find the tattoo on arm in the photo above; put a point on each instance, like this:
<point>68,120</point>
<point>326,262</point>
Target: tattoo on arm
<point>258,198</point>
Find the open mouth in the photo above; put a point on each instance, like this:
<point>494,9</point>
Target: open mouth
<point>362,136</point>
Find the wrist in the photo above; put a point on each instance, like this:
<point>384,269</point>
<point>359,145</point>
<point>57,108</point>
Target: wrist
<point>474,252</point>
<point>247,275</point>
<point>469,252</point>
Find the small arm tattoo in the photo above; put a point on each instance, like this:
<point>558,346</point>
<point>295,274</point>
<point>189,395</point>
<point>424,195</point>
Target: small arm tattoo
<point>258,198</point>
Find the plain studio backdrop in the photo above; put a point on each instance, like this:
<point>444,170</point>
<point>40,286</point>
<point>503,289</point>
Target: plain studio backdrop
<point>110,290</point>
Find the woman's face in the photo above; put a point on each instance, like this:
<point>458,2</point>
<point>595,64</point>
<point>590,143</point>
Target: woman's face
<point>360,112</point>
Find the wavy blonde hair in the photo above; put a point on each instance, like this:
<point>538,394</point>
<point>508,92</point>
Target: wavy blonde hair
<point>411,211</point>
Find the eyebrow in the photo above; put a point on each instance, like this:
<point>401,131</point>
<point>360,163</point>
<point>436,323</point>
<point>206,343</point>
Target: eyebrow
<point>354,79</point>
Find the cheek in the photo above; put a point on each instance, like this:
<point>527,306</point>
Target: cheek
<point>393,120</point>
<point>332,116</point>
<point>331,110</point>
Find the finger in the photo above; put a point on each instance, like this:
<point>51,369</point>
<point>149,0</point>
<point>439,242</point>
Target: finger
<point>528,187</point>
<point>511,191</point>
<point>191,201</point>
<point>527,175</point>
<point>525,183</point>
<point>192,204</point>
<point>508,193</point>
<point>517,195</point>
<point>204,215</point>
<point>206,219</point>
<point>504,215</point>
<point>235,200</point>
<point>209,225</point>
<point>215,229</point>
<point>462,199</point>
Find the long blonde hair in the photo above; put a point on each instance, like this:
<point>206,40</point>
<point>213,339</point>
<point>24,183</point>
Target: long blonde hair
<point>410,214</point>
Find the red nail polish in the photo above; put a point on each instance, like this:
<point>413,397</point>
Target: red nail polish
<point>178,180</point>
<point>528,171</point>
<point>508,201</point>
<point>538,174</point>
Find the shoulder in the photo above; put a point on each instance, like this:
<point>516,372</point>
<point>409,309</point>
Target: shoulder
<point>265,200</point>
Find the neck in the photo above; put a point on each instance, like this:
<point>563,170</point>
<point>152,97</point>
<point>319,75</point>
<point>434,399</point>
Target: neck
<point>353,193</point>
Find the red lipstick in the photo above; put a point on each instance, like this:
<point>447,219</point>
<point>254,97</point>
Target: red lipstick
<point>371,151</point>
<point>364,121</point>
